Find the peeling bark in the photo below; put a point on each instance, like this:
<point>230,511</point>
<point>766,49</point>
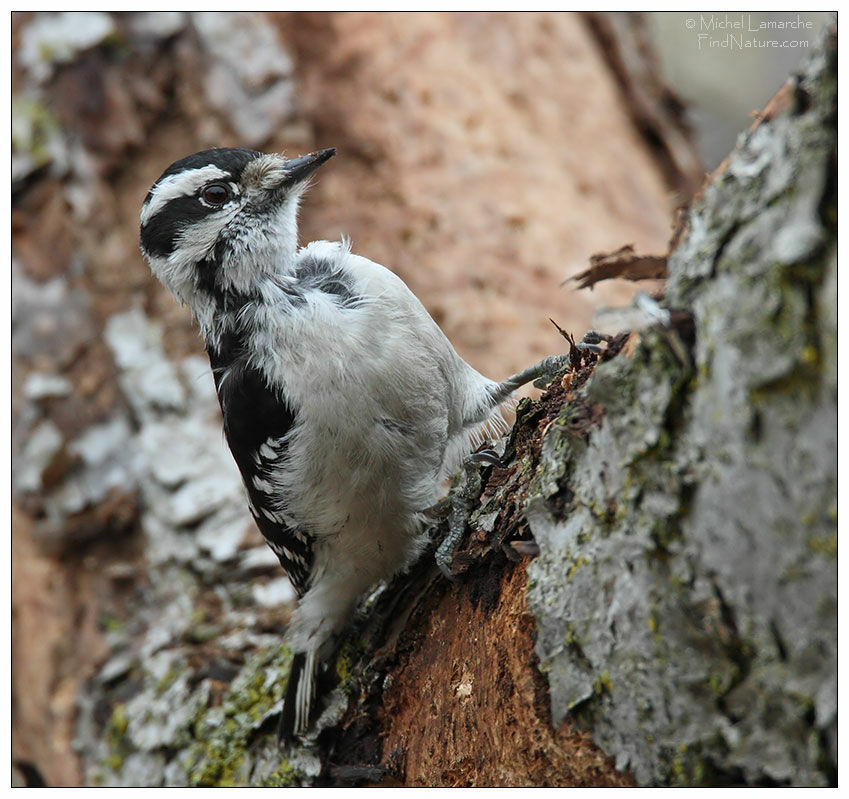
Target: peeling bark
<point>683,506</point>
<point>624,263</point>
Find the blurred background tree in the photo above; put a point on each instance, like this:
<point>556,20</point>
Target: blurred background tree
<point>484,157</point>
<point>722,82</point>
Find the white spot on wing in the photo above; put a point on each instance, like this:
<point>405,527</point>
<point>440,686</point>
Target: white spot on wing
<point>268,453</point>
<point>272,516</point>
<point>261,485</point>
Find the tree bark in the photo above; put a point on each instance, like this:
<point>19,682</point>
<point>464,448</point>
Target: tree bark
<point>680,492</point>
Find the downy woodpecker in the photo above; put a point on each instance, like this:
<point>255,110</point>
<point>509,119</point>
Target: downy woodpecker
<point>344,404</point>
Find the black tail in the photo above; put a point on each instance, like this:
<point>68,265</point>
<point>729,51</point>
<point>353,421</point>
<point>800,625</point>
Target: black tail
<point>300,694</point>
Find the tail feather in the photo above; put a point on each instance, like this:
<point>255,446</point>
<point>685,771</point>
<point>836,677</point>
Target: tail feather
<point>300,695</point>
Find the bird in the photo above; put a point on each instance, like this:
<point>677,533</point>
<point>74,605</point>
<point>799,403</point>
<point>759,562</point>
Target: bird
<point>344,405</point>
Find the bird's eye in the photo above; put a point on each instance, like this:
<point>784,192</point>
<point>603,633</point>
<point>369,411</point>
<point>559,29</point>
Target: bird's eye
<point>216,194</point>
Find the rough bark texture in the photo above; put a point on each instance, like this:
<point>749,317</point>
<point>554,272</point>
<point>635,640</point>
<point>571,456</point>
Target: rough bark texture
<point>147,616</point>
<point>461,147</point>
<point>686,588</point>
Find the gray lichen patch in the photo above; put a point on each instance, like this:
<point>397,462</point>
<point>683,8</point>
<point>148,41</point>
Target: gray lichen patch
<point>686,592</point>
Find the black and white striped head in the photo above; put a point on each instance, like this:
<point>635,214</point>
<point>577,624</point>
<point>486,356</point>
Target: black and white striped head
<point>219,221</point>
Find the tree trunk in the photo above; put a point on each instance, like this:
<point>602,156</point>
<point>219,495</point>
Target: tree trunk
<point>672,628</point>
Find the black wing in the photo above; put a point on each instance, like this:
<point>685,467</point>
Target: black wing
<point>256,423</point>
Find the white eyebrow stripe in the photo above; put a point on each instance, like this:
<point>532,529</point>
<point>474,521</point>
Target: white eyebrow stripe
<point>183,184</point>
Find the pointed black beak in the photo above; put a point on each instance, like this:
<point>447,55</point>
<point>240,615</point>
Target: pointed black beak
<point>302,167</point>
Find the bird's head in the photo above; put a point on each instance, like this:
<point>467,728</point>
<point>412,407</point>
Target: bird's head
<point>220,221</point>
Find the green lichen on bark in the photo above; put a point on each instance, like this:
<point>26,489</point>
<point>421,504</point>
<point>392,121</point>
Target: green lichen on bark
<point>702,509</point>
<point>173,733</point>
<point>222,752</point>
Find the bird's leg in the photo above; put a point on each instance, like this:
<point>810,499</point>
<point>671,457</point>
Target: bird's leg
<point>465,496</point>
<point>548,368</point>
<point>541,373</point>
<point>439,510</point>
<point>463,501</point>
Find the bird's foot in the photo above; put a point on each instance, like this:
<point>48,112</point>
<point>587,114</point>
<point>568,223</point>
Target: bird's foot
<point>463,501</point>
<point>593,341</point>
<point>487,456</point>
<point>548,368</point>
